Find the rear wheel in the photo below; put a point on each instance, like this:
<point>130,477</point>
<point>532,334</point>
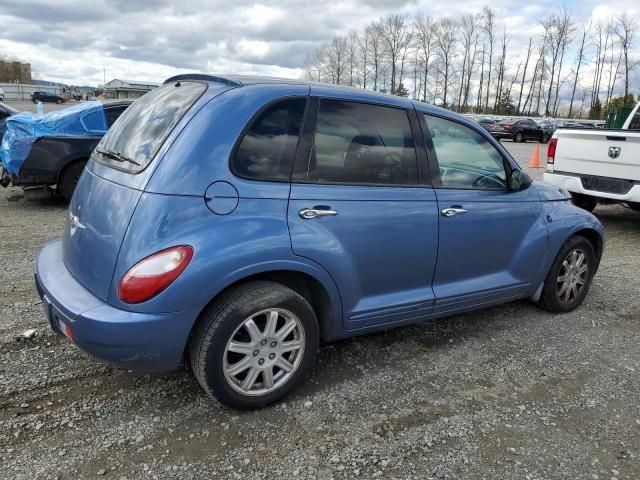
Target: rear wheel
<point>254,345</point>
<point>519,137</point>
<point>544,139</point>
<point>586,202</point>
<point>570,276</point>
<point>70,177</point>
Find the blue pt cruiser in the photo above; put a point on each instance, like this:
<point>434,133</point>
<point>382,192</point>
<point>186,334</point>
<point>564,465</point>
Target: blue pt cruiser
<point>236,222</point>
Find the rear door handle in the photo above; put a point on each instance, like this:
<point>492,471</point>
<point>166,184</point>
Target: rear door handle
<point>453,211</point>
<point>309,213</point>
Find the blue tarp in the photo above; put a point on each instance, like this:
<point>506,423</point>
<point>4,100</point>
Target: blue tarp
<point>23,129</point>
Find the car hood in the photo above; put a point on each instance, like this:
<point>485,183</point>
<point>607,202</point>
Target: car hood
<point>551,193</point>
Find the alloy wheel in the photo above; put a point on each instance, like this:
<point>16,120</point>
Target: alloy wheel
<point>572,276</point>
<point>264,352</point>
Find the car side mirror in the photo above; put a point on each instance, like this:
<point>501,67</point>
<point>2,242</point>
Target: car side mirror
<point>519,181</point>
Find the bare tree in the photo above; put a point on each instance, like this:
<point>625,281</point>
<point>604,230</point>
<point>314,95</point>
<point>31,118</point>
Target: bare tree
<point>424,39</point>
<point>396,37</point>
<point>469,24</point>
<point>488,26</point>
<point>375,42</point>
<point>500,69</point>
<point>585,31</point>
<point>558,27</point>
<point>337,59</point>
<point>446,52</point>
<point>626,29</point>
<point>524,73</point>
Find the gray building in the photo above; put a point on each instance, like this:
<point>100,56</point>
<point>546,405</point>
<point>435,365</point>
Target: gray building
<point>117,88</point>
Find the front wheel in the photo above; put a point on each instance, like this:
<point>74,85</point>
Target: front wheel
<point>254,345</point>
<point>519,137</point>
<point>570,276</point>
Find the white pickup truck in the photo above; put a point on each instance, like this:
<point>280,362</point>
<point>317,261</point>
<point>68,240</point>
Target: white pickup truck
<point>597,165</point>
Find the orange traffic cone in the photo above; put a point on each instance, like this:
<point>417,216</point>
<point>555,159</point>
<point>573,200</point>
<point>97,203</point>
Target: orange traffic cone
<point>535,158</point>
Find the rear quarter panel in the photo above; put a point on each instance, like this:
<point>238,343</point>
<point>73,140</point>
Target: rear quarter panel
<point>254,238</point>
<point>55,153</point>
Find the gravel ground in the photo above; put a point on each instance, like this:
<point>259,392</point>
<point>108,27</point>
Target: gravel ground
<point>510,392</point>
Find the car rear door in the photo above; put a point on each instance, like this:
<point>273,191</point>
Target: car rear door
<point>359,206</point>
<point>491,239</point>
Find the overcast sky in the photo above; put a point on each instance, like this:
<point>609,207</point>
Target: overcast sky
<point>74,40</point>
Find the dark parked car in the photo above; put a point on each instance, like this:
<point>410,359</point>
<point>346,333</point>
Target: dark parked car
<point>236,222</point>
<point>548,128</point>
<point>46,97</point>
<point>523,130</point>
<point>58,161</point>
<point>493,126</point>
<point>5,112</point>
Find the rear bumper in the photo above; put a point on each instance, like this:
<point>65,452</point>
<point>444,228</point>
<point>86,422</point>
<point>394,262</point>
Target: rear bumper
<point>500,135</point>
<point>574,185</point>
<point>136,341</point>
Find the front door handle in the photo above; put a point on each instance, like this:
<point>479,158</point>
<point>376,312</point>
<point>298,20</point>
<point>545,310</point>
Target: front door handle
<point>309,213</point>
<point>453,211</point>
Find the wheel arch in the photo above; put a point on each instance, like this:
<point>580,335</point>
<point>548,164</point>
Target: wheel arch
<point>67,165</point>
<point>594,237</point>
<point>321,294</point>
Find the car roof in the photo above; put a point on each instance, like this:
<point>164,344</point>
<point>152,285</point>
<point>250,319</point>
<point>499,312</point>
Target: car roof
<point>361,94</point>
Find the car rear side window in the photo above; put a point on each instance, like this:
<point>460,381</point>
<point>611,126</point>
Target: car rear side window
<point>267,149</point>
<point>359,143</point>
<point>465,159</point>
<point>134,140</point>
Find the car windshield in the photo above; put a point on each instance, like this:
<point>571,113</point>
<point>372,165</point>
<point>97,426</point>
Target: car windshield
<point>141,130</point>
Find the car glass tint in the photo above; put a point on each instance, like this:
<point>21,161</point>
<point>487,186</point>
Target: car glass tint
<point>358,143</point>
<point>144,126</point>
<point>465,158</point>
<point>267,149</point>
<point>635,121</point>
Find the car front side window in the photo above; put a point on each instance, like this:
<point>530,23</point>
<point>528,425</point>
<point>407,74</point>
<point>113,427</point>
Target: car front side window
<point>465,159</point>
<point>360,143</point>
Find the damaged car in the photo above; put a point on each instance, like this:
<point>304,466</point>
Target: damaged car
<point>48,152</point>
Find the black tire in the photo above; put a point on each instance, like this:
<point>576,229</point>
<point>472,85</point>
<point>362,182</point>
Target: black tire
<point>544,139</point>
<point>519,138</point>
<point>220,322</point>
<point>634,206</point>
<point>58,101</point>
<point>69,179</point>
<point>552,297</point>
<point>586,202</point>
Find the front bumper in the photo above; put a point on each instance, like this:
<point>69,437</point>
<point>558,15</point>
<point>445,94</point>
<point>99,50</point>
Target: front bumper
<point>136,341</point>
<point>574,184</point>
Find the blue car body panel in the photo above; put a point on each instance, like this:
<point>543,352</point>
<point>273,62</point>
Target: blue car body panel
<point>387,258</point>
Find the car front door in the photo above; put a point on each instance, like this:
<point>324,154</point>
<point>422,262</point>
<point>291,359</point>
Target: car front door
<point>492,239</point>
<point>360,208</point>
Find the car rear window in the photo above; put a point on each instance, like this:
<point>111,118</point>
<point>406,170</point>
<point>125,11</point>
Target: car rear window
<point>136,137</point>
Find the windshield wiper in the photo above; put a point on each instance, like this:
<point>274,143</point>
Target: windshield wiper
<point>116,156</point>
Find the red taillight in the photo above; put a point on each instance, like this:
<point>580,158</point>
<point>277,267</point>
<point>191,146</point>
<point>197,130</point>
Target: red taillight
<point>551,151</point>
<point>152,275</point>
<point>507,127</point>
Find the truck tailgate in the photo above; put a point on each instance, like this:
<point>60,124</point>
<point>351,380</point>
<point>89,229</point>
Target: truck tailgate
<point>594,153</point>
